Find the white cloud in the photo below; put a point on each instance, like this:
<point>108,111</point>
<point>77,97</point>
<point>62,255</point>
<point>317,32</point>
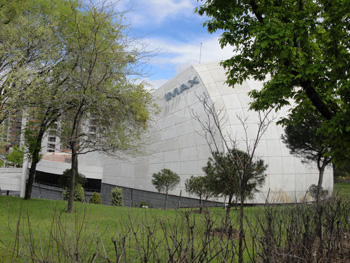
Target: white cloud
<point>177,32</point>
<point>156,11</point>
<point>179,53</point>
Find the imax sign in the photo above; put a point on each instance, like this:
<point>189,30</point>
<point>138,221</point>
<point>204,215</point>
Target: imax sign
<point>177,91</point>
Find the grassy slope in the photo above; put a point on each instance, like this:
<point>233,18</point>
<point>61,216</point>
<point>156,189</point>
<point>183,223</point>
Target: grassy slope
<point>46,220</point>
<point>94,223</point>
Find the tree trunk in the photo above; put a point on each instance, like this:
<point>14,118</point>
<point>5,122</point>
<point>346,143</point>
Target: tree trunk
<point>241,230</point>
<point>319,208</point>
<point>200,204</point>
<point>320,181</point>
<point>166,199</point>
<point>35,159</point>
<point>227,217</point>
<point>74,170</point>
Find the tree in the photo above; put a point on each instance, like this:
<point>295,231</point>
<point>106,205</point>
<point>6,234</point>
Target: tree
<point>164,181</point>
<point>46,90</point>
<point>32,58</point>
<point>301,45</point>
<point>228,160</point>
<point>117,197</point>
<point>15,157</point>
<point>106,111</point>
<point>304,140</point>
<point>199,186</point>
<point>65,179</point>
<point>234,174</point>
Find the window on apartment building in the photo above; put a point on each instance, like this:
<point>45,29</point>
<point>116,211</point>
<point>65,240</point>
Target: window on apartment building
<point>51,146</point>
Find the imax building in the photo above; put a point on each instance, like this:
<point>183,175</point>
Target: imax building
<point>177,141</point>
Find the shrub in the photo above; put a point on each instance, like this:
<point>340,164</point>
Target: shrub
<point>79,193</point>
<point>143,203</point>
<point>65,179</point>
<point>95,199</point>
<point>117,197</point>
<point>313,192</point>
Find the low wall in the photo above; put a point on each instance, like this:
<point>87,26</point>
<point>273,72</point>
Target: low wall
<point>10,179</point>
<point>133,197</point>
<point>51,192</point>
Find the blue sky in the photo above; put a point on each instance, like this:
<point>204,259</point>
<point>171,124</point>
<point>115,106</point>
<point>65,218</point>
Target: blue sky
<point>172,27</point>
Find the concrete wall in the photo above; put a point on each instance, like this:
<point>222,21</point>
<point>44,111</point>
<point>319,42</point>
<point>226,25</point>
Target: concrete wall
<point>10,179</point>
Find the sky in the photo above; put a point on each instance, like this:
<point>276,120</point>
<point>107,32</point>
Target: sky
<point>171,28</point>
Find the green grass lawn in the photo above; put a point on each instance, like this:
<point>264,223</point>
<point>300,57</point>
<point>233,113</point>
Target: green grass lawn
<point>342,189</point>
<point>41,231</point>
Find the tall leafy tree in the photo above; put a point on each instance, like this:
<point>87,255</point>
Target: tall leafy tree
<point>304,140</point>
<point>199,185</point>
<point>32,58</point>
<point>164,181</point>
<point>234,174</point>
<point>44,89</point>
<point>105,110</point>
<point>302,45</point>
<point>71,57</point>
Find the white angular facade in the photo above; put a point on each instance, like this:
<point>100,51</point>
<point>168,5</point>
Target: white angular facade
<point>175,141</point>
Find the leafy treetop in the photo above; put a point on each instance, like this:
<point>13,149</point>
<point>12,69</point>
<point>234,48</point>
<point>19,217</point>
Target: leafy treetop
<point>303,45</point>
<point>235,174</point>
<point>165,180</point>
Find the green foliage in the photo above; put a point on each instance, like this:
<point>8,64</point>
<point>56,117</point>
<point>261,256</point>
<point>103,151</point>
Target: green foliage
<point>65,179</point>
<point>117,197</point>
<point>301,45</point>
<point>199,186</point>
<point>165,180</point>
<point>15,157</point>
<point>95,199</point>
<point>342,171</point>
<point>79,193</point>
<point>31,52</point>
<point>100,61</point>
<point>31,142</point>
<point>235,174</point>
<point>303,139</point>
<point>313,192</point>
